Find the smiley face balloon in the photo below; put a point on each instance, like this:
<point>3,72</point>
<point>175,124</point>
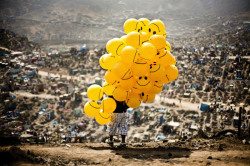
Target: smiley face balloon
<point>158,41</point>
<point>156,27</point>
<point>133,100</point>
<point>166,59</point>
<point>157,88</point>
<point>143,83</point>
<point>91,108</point>
<point>111,78</point>
<point>156,72</point>
<point>171,73</point>
<point>132,25</point>
<point>108,89</point>
<point>115,46</point>
<point>122,71</point>
<point>140,67</point>
<point>147,97</point>
<point>129,55</point>
<point>108,105</point>
<point>95,92</point>
<point>109,60</point>
<point>134,39</point>
<point>120,94</point>
<point>144,22</point>
<point>147,51</point>
<point>102,118</point>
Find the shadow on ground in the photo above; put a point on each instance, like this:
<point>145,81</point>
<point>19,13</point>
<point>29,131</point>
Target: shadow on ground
<point>149,153</point>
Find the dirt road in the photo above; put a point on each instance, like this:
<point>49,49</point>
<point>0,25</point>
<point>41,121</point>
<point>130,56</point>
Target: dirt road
<point>137,154</point>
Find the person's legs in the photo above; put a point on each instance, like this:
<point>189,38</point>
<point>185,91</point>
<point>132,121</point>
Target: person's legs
<point>112,127</point>
<point>123,129</point>
<point>123,138</point>
<point>111,138</point>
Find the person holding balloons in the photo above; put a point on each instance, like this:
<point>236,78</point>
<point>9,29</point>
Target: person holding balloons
<point>118,120</point>
<point>137,66</point>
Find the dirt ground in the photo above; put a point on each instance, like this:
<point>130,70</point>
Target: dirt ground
<point>189,152</point>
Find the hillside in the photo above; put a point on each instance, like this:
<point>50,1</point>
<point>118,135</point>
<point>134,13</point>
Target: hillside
<point>79,21</point>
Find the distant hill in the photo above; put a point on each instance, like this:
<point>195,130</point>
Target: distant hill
<point>100,20</point>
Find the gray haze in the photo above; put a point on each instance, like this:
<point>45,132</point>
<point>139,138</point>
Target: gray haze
<point>100,20</point>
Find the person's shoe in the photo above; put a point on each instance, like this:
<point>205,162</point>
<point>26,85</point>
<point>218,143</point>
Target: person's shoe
<point>122,146</point>
<point>111,143</point>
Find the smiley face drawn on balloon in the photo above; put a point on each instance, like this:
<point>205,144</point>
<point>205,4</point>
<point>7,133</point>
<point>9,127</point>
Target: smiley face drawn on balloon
<point>108,89</point>
<point>133,100</point>
<point>140,67</point>
<point>132,25</point>
<point>147,97</point>
<point>109,60</point>
<point>156,27</point>
<point>171,73</point>
<point>157,88</point>
<point>134,39</point>
<point>91,108</point>
<point>103,118</point>
<point>144,22</point>
<point>156,72</point>
<point>143,83</point>
<point>115,46</point>
<point>127,83</point>
<point>166,59</point>
<point>158,41</point>
<point>111,78</point>
<point>129,55</point>
<point>168,46</point>
<point>122,71</point>
<point>120,94</point>
<point>135,90</point>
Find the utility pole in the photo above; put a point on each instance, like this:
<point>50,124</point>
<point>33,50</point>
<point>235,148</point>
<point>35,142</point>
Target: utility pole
<point>239,123</point>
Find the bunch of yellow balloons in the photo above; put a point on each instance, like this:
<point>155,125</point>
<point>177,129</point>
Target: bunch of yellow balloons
<point>137,64</point>
<point>102,111</point>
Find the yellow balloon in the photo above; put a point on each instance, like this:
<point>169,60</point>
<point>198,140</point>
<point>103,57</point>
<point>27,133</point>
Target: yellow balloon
<point>120,94</point>
<point>147,51</point>
<point>131,25</point>
<point>144,22</point>
<point>111,78</point>
<point>168,46</point>
<point>140,67</point>
<point>136,90</point>
<point>108,89</point>
<point>158,41</point>
<point>143,83</point>
<point>129,55</point>
<point>92,108</point>
<point>164,34</point>
<point>102,118</point>
<point>157,88</point>
<point>101,61</point>
<point>134,39</point>
<point>95,92</point>
<point>127,84</point>
<point>108,105</point>
<point>147,97</point>
<point>166,59</point>
<point>144,37</point>
<point>156,27</point>
<point>133,100</point>
<point>156,72</point>
<point>123,38</point>
<point>115,46</point>
<point>110,60</point>
<point>122,70</point>
<point>171,73</point>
